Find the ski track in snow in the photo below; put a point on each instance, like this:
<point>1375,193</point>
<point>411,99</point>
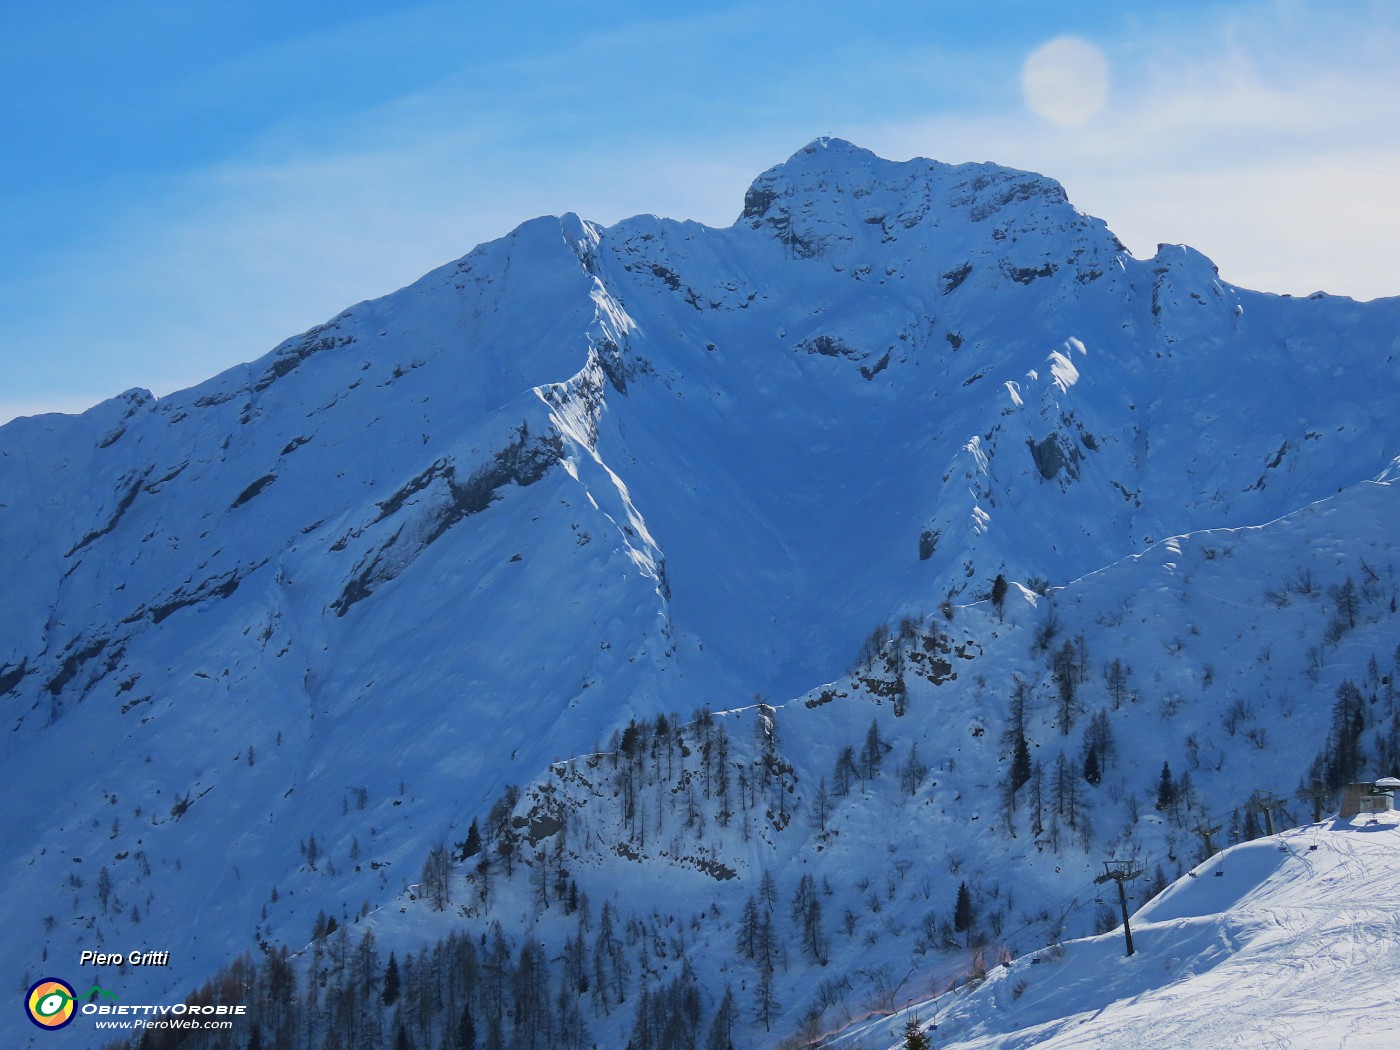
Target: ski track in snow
<point>1303,957</point>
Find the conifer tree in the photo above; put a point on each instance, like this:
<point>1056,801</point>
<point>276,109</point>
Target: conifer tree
<point>765,999</point>
<point>1065,671</point>
<point>821,806</point>
<point>437,878</point>
<point>872,752</point>
<point>1344,755</point>
<point>721,1034</point>
<point>466,1029</point>
<point>1166,788</point>
<point>643,1026</point>
<point>1092,774</point>
<point>999,595</point>
<point>845,772</point>
<point>471,846</point>
<point>913,770</point>
<point>1020,764</point>
<point>1348,603</point>
<point>1098,736</point>
<point>391,981</point>
<point>1116,678</point>
<point>963,914</point>
<point>746,942</point>
<point>767,890</point>
<point>807,916</point>
<point>914,1036</point>
<point>1037,799</point>
<point>495,1038</point>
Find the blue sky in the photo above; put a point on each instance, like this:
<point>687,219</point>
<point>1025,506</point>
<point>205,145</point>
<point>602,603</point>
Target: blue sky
<point>185,184</point>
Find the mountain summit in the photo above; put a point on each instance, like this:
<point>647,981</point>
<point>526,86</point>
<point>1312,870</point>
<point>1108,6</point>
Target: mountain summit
<point>349,591</point>
<point>832,196</point>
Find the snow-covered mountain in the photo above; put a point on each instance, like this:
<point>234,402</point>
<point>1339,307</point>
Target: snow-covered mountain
<point>271,641</point>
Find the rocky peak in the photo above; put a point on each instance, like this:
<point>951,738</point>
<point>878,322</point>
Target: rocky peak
<point>832,193</point>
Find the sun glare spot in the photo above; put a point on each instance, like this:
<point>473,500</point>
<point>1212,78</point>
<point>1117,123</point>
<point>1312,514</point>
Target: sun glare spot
<point>1065,81</point>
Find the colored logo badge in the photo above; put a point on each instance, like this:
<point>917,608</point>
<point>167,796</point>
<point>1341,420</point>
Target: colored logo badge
<point>50,1003</point>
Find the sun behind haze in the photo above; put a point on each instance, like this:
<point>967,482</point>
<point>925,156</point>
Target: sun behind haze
<point>1066,80</point>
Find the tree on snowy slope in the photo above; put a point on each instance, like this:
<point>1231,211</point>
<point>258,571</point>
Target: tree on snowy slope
<point>1066,791</point>
<point>1065,671</point>
<point>1116,679</point>
<point>1166,788</point>
<point>1037,799</point>
<point>1014,737</point>
<point>821,807</point>
<point>391,982</point>
<point>964,915</point>
<point>872,752</point>
<point>912,770</point>
<point>721,1034</point>
<point>1341,761</point>
<point>1020,774</point>
<point>471,845</point>
<point>846,771</point>
<point>437,878</point>
<point>765,999</point>
<point>1092,773</point>
<point>1098,736</point>
<point>807,915</point>
<point>1020,764</point>
<point>914,1036</point>
<point>746,941</point>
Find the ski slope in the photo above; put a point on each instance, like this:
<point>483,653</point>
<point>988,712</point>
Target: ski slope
<point>1291,941</point>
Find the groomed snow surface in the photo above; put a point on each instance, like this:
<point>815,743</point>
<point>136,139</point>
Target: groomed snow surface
<point>1287,941</point>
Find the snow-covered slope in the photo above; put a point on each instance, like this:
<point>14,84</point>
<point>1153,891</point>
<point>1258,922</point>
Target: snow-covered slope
<point>269,641</point>
<point>1288,941</point>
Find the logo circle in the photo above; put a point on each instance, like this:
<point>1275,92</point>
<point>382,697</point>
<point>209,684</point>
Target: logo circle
<point>50,1003</point>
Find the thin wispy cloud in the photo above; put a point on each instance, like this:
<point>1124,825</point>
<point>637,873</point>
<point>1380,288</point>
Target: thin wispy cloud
<point>1250,141</point>
<point>1262,134</point>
